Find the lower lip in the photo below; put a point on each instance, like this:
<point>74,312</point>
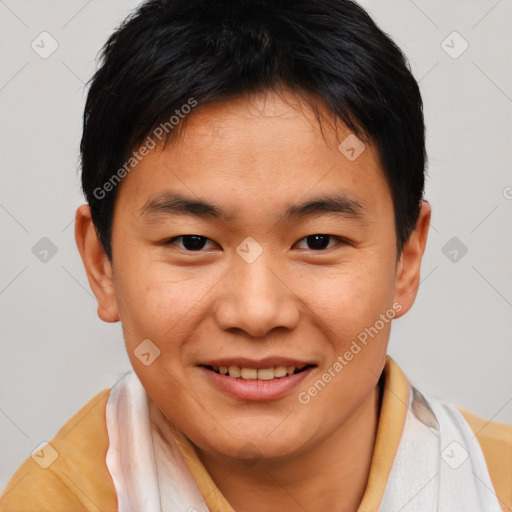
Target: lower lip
<point>256,390</point>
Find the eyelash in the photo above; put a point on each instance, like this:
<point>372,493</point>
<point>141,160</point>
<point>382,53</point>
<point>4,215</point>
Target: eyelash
<point>341,241</point>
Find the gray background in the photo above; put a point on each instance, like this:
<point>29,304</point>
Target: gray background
<point>56,354</point>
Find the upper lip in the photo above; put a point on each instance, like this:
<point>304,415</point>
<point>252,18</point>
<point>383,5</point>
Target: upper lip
<point>267,362</point>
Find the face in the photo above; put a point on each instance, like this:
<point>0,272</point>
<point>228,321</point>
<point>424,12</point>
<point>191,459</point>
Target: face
<point>253,243</point>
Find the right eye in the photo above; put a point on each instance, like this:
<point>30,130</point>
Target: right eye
<point>189,242</point>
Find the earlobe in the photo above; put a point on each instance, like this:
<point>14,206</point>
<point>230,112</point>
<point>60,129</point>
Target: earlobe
<point>96,263</point>
<point>408,268</point>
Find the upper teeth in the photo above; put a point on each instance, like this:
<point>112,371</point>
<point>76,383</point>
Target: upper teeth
<point>253,373</point>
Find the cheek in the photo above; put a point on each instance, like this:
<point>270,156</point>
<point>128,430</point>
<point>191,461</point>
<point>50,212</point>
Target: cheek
<point>351,298</point>
<point>160,302</point>
<point>150,299</point>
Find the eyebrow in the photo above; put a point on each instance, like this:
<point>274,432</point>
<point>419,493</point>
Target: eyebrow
<point>170,203</point>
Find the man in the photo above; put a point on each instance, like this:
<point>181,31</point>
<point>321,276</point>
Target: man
<point>254,176</point>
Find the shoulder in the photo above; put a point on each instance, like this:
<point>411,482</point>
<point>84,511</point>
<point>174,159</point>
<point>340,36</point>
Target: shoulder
<point>69,472</point>
<point>495,439</point>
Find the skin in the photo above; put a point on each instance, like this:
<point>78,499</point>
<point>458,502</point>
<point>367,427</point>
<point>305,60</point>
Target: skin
<point>253,157</point>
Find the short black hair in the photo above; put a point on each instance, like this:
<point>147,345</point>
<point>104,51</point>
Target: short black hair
<point>168,53</point>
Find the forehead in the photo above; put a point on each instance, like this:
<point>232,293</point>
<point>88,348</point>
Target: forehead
<point>278,122</point>
<point>260,152</point>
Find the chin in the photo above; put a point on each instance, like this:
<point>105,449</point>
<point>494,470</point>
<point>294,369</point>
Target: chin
<point>256,445</point>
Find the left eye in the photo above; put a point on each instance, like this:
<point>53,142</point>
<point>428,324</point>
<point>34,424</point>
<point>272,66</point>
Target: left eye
<point>318,242</point>
<point>190,242</point>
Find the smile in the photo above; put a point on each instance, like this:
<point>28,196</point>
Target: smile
<point>251,381</point>
<point>270,373</point>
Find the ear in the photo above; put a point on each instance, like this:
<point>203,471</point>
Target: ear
<point>408,274</point>
<point>97,266</point>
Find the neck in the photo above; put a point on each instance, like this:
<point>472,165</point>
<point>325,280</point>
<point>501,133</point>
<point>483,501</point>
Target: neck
<point>333,474</point>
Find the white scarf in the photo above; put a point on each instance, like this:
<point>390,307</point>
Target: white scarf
<point>439,465</point>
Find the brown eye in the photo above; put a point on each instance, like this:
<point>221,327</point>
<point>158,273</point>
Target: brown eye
<point>190,242</point>
<point>318,242</point>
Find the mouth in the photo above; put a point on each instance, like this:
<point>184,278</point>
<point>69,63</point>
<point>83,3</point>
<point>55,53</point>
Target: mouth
<point>250,373</point>
<point>247,380</point>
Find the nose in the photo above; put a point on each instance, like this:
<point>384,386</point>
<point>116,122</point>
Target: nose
<point>256,298</point>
